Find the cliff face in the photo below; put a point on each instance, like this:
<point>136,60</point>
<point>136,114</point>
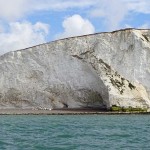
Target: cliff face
<point>97,70</point>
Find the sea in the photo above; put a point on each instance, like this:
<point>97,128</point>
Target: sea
<point>75,132</point>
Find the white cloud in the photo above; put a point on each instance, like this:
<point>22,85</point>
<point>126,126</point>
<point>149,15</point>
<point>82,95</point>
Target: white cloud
<point>14,9</point>
<point>76,25</point>
<point>128,26</point>
<point>141,6</point>
<point>143,26</point>
<point>115,11</point>
<point>112,11</point>
<point>22,35</point>
<point>59,4</point>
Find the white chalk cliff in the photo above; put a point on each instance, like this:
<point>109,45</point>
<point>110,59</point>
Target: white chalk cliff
<point>99,70</point>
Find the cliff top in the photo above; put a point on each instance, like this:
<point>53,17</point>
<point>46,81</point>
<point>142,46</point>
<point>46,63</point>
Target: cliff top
<point>98,33</point>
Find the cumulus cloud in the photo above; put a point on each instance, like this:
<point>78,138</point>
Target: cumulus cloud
<point>76,25</point>
<point>22,35</point>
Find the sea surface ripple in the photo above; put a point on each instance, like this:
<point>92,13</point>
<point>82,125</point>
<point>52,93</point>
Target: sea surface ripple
<point>75,132</point>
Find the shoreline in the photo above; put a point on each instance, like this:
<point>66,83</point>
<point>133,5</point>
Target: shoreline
<point>66,112</point>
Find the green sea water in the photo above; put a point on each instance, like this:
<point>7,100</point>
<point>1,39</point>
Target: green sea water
<point>75,132</point>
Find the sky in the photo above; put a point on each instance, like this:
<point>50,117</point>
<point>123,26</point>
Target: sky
<point>25,23</point>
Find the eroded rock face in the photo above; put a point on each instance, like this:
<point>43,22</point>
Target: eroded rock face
<point>97,70</point>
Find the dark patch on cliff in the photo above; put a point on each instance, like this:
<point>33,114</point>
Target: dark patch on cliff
<point>146,38</point>
<point>131,86</point>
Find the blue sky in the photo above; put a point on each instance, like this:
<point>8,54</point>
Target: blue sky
<point>24,23</point>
